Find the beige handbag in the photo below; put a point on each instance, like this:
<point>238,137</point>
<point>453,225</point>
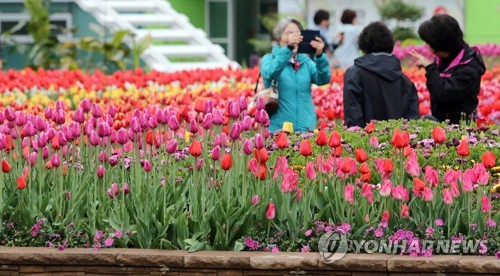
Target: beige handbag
<point>269,95</point>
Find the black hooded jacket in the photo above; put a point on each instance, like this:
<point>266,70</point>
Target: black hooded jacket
<point>454,90</point>
<point>375,88</point>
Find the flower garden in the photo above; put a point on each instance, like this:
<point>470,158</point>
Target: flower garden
<point>179,161</point>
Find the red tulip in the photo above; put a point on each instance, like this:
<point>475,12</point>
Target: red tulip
<point>360,155</point>
<point>364,169</point>
<point>226,162</point>
<point>345,165</point>
<point>6,167</point>
<point>21,182</point>
<point>438,135</point>
<point>418,186</point>
<point>261,155</point>
<point>335,139</point>
<point>489,160</point>
<point>463,147</point>
<point>271,211</point>
<point>336,152</point>
<point>386,217</point>
<point>388,165</point>
<point>282,141</point>
<point>195,149</point>
<point>322,138</point>
<point>400,140</point>
<point>370,127</point>
<point>405,213</point>
<point>305,148</point>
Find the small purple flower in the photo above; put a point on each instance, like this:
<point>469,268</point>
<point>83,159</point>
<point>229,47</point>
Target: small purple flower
<point>409,234</point>
<point>497,254</point>
<point>109,242</point>
<point>251,243</point>
<point>308,232</point>
<point>427,252</point>
<point>329,228</point>
<point>414,253</point>
<point>305,249</point>
<point>429,232</point>
<point>10,224</point>
<point>97,246</point>
<point>491,223</point>
<point>118,234</point>
<point>275,249</point>
<point>60,247</point>
<point>438,222</point>
<point>399,235</point>
<point>378,232</point>
<point>483,249</point>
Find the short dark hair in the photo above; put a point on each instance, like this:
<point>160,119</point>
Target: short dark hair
<point>320,16</point>
<point>376,37</point>
<point>348,16</point>
<point>442,33</point>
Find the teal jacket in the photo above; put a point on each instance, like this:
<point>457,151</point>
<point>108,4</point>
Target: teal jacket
<point>294,87</point>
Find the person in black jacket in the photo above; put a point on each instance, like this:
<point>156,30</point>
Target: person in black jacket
<point>454,77</point>
<point>375,88</point>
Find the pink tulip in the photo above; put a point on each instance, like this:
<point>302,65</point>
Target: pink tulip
<point>468,181</point>
<point>48,113</point>
<point>455,191</point>
<point>122,136</point>
<point>79,115</point>
<point>428,195</point>
<point>298,196</point>
<point>374,141</point>
<point>20,119</point>
<point>153,122</point>
<point>405,212</point>
<point>112,111</point>
<point>101,171</point>
<point>113,160</point>
<point>482,176</point>
<point>55,160</point>
<point>96,111</point>
<point>207,121</point>
<point>59,105</point>
<point>264,118</point>
<point>485,204</point>
<point>235,131</point>
<point>259,141</point>
<point>386,188</point>
<point>247,123</point>
<point>32,158</point>
<point>366,191</point>
<point>29,130</point>
<point>102,130</point>
<point>58,117</point>
<point>208,107</point>
<point>431,176</point>
<point>400,193</point>
<point>451,176</point>
<point>290,181</point>
<point>103,156</point>
<point>85,105</point>
<point>310,173</point>
<point>247,147</point>
<point>193,126</point>
<point>126,189</point>
<point>242,103</point>
<point>173,124</point>
<point>75,130</point>
<point>135,125</point>
<point>10,114</point>
<point>110,193</point>
<point>281,166</point>
<point>234,110</point>
<point>385,217</point>
<point>412,165</point>
<point>40,123</point>
<point>271,211</point>
<point>253,166</point>
<point>94,139</point>
<point>45,153</point>
<point>172,146</point>
<point>255,199</point>
<point>3,141</point>
<point>349,194</point>
<point>215,153</point>
<point>115,189</point>
<point>89,127</point>
<point>447,197</point>
<point>147,166</point>
<point>218,118</point>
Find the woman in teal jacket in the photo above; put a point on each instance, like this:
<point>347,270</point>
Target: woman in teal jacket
<point>294,74</point>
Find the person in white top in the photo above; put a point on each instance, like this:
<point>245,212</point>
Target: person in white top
<point>348,51</point>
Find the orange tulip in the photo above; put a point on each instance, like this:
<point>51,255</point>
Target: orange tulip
<point>6,167</point>
<point>227,162</point>
<point>195,149</point>
<point>305,148</point>
<point>463,148</point>
<point>21,182</point>
<point>282,141</point>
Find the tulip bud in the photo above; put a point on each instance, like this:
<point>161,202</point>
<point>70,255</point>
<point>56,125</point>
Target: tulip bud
<point>94,139</point>
<point>255,199</point>
<point>215,153</point>
<point>235,131</point>
<point>101,171</point>
<point>259,141</point>
<point>59,105</point>
<point>96,111</point>
<point>48,113</point>
<point>112,111</point>
<point>85,105</point>
<point>172,146</point>
<point>218,118</point>
<point>153,122</point>
<point>40,123</point>
<point>103,156</point>
<point>207,121</point>
<point>10,114</point>
<point>79,115</point>
<point>55,160</point>
<point>173,124</point>
<point>147,166</point>
<point>247,147</point>
<point>126,189</point>
<point>247,123</point>
<point>45,153</point>
<point>193,126</point>
<point>234,110</point>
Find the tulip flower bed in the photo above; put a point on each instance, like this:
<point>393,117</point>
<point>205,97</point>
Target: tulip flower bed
<point>177,161</point>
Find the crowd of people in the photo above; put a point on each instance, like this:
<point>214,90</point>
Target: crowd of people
<point>375,87</point>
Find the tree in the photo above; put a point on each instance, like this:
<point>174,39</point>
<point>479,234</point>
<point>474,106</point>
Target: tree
<point>401,12</point>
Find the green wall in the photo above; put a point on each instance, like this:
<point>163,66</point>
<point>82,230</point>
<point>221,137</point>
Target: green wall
<point>193,9</point>
<point>482,21</point>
